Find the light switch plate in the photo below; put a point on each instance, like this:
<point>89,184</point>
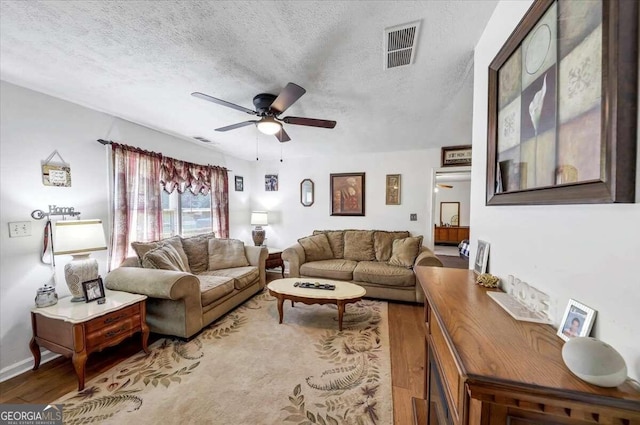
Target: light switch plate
<point>413,217</point>
<point>19,228</point>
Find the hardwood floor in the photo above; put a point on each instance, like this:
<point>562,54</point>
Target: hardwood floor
<point>57,377</point>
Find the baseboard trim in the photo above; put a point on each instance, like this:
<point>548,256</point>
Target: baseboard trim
<point>25,365</point>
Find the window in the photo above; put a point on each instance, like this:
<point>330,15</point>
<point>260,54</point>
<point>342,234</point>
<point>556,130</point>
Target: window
<point>186,214</point>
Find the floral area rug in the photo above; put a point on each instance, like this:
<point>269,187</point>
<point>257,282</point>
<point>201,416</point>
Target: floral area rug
<point>246,369</point>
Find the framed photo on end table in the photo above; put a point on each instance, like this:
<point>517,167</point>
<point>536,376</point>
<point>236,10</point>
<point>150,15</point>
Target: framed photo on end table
<point>93,290</point>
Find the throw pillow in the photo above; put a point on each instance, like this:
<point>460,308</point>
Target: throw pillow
<point>358,245</point>
<point>164,257</point>
<point>141,248</point>
<point>316,248</point>
<point>405,251</point>
<point>226,254</point>
<point>196,247</point>
<point>383,243</point>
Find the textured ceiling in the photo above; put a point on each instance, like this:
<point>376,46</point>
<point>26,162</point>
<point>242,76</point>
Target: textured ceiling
<point>140,60</point>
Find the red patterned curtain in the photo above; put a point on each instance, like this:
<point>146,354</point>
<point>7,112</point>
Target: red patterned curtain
<point>137,206</point>
<point>181,175</point>
<point>220,199</point>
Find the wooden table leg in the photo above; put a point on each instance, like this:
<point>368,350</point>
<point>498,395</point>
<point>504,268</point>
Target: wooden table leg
<point>33,344</point>
<point>341,305</point>
<point>79,360</point>
<point>35,350</point>
<point>280,307</point>
<point>282,269</point>
<point>144,326</point>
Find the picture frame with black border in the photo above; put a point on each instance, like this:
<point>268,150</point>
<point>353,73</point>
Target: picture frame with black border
<point>482,257</point>
<point>271,182</point>
<point>239,183</point>
<point>93,290</point>
<point>577,320</point>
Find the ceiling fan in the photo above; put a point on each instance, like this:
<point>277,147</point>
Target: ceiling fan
<point>268,108</point>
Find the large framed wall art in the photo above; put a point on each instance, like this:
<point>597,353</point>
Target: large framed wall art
<point>563,98</point>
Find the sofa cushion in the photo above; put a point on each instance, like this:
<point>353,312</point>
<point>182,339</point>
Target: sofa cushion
<point>405,251</point>
<point>242,276</point>
<point>316,248</point>
<point>383,274</point>
<point>336,241</point>
<point>197,251</point>
<point>163,257</point>
<point>358,245</point>
<point>142,248</point>
<point>212,288</point>
<point>383,243</point>
<point>330,269</point>
<point>226,253</point>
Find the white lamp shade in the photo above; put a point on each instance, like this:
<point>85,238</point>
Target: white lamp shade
<point>269,126</point>
<point>78,236</point>
<point>259,218</point>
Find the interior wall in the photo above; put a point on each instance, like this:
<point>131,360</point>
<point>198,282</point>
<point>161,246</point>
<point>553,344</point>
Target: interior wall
<point>585,252</point>
<point>32,126</point>
<point>460,192</point>
<point>289,220</point>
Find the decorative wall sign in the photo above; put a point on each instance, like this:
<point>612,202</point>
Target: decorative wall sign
<point>347,194</point>
<point>239,180</point>
<point>562,126</point>
<point>56,173</point>
<point>393,189</point>
<point>456,156</point>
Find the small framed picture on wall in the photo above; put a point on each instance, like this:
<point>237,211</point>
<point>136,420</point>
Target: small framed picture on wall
<point>239,184</point>
<point>271,182</point>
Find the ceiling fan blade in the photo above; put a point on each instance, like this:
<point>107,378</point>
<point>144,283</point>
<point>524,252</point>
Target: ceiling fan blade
<point>287,97</point>
<point>282,136</point>
<point>234,126</point>
<point>223,103</point>
<point>311,122</point>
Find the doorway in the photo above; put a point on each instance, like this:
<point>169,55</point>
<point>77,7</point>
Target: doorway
<point>451,200</point>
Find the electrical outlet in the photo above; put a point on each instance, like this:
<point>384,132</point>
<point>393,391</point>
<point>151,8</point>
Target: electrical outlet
<point>413,217</point>
<point>19,228</point>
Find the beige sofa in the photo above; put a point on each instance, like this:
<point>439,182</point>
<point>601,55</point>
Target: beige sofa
<point>190,282</point>
<point>380,261</point>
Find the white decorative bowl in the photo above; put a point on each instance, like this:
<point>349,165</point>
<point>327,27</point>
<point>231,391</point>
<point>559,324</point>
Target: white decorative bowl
<point>594,361</point>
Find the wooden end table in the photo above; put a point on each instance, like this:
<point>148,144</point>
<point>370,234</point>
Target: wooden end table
<point>78,329</point>
<point>275,259</point>
<point>344,294</point>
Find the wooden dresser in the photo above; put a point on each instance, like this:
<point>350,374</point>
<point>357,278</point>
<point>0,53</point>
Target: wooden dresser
<point>451,234</point>
<point>485,368</point>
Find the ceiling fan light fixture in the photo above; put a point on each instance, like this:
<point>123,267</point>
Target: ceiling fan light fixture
<point>268,125</point>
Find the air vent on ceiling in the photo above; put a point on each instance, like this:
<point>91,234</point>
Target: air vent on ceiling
<point>202,139</point>
<point>400,44</point>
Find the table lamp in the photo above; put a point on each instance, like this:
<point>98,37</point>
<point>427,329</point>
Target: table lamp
<point>258,219</point>
<point>79,238</point>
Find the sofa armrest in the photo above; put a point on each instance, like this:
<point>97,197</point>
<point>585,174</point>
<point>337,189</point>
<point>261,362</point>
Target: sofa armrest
<point>154,283</point>
<point>294,255</point>
<point>257,256</point>
<point>427,258</point>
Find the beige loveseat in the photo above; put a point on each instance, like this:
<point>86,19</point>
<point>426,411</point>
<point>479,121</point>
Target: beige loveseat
<point>192,281</point>
<point>380,261</point>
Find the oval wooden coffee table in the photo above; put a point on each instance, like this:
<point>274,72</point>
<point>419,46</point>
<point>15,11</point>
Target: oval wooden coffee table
<point>344,293</point>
